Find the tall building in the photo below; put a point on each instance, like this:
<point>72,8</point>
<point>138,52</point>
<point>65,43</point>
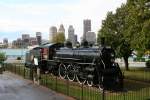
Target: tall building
<point>76,38</point>
<point>52,33</point>
<point>91,37</point>
<point>39,38</point>
<point>71,36</point>
<point>33,41</point>
<point>26,39</point>
<point>61,29</point>
<point>86,27</point>
<point>5,41</point>
<point>25,36</point>
<point>19,43</point>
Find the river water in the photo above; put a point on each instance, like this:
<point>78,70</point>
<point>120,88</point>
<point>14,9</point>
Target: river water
<point>14,53</point>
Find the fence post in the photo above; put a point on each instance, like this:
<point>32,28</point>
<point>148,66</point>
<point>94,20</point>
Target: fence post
<point>103,95</point>
<point>82,92</point>
<point>31,73</point>
<point>67,87</point>
<point>46,79</point>
<point>19,69</point>
<point>24,72</point>
<point>15,68</point>
<point>56,83</point>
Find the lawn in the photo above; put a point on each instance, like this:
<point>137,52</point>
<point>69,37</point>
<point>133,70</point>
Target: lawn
<point>139,74</point>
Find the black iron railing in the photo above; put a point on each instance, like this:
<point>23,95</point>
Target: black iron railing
<point>136,84</point>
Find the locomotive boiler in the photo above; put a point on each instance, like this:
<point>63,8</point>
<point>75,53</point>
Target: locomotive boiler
<point>94,66</point>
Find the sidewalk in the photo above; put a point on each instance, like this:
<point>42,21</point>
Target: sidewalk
<point>13,87</point>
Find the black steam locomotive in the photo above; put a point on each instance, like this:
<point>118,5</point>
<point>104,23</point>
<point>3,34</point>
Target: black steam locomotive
<point>90,65</point>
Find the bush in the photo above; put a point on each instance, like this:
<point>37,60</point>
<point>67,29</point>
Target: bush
<point>148,63</point>
<point>18,58</point>
<point>2,57</point>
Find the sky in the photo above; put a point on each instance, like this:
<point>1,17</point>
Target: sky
<point>29,16</point>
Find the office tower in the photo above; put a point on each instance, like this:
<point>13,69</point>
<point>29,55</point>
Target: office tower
<point>5,42</point>
<point>25,39</point>
<point>52,33</point>
<point>61,29</point>
<point>33,41</point>
<point>39,38</point>
<point>91,37</point>
<point>76,39</point>
<point>86,27</point>
<point>71,36</point>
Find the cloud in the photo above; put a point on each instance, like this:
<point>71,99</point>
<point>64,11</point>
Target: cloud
<point>32,17</point>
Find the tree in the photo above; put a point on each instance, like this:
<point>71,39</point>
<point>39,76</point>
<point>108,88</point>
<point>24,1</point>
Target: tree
<point>58,38</point>
<point>2,57</point>
<point>61,37</point>
<point>127,29</point>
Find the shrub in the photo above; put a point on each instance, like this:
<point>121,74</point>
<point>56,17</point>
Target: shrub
<point>18,58</point>
<point>148,63</point>
<point>2,57</point>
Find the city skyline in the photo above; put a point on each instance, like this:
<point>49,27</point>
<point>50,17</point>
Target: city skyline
<point>28,17</point>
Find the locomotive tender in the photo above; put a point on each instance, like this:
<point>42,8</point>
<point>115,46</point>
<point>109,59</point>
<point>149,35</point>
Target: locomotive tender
<point>90,65</point>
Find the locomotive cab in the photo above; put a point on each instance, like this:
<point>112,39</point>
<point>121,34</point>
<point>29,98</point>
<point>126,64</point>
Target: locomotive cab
<point>30,56</point>
<point>112,75</point>
<point>48,51</point>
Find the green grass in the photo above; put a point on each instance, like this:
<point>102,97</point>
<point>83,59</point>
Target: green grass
<point>135,91</point>
<point>139,74</point>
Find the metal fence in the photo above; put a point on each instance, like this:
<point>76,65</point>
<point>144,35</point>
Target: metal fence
<point>136,84</point>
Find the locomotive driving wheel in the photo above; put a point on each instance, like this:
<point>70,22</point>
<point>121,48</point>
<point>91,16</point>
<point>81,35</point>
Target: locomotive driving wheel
<point>90,80</point>
<point>100,83</point>
<point>90,83</point>
<point>62,71</point>
<point>80,79</point>
<point>80,75</point>
<point>70,72</point>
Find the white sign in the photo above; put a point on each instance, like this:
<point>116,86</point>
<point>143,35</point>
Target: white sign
<point>35,61</point>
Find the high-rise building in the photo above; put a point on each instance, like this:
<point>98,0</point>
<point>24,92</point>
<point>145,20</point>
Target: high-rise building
<point>71,36</point>
<point>86,27</point>
<point>25,36</point>
<point>52,33</point>
<point>19,43</point>
<point>76,38</point>
<point>33,41</point>
<point>26,39</point>
<point>61,29</point>
<point>39,38</point>
<point>5,41</point>
<point>91,37</point>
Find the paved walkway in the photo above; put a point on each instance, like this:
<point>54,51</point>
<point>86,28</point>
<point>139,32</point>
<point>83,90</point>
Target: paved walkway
<point>13,87</point>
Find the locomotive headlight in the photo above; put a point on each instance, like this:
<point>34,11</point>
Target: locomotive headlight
<point>112,55</point>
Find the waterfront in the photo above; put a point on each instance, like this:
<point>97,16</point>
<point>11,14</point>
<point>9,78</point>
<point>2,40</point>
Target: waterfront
<point>14,53</point>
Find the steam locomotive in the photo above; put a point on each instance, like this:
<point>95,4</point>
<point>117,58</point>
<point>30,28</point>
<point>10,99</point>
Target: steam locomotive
<point>94,66</point>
